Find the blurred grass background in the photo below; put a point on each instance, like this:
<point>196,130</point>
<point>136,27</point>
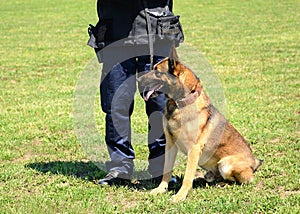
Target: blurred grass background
<point>253,46</point>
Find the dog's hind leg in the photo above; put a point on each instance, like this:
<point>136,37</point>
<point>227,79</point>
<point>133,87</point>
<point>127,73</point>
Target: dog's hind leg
<point>243,175</point>
<point>232,169</point>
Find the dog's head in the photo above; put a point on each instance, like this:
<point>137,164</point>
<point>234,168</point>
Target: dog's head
<point>170,77</point>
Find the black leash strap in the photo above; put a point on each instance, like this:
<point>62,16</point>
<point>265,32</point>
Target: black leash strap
<point>150,36</point>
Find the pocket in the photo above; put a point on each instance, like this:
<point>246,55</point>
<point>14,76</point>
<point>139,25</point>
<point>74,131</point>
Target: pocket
<point>92,40</point>
<point>101,34</point>
<point>169,27</point>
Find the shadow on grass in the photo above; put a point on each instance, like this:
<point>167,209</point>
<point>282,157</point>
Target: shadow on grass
<point>90,172</point>
<point>79,169</point>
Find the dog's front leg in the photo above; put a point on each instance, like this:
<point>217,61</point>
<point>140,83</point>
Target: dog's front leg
<point>170,156</point>
<point>192,163</point>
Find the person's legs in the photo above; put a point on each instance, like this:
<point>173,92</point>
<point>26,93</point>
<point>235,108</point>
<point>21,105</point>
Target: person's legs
<point>117,93</point>
<point>154,109</point>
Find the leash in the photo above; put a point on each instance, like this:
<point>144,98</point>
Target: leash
<point>150,38</point>
<point>150,35</point>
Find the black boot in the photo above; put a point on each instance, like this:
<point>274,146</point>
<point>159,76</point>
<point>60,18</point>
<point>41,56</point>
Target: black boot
<point>112,179</point>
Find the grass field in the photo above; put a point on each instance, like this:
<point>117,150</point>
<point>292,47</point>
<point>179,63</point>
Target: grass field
<point>253,46</point>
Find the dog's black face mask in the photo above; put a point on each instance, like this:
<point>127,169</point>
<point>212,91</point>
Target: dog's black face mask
<point>156,82</point>
<point>151,84</point>
<point>164,79</point>
<point>151,91</point>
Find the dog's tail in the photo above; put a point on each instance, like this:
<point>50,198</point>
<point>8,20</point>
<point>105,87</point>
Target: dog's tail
<point>258,163</point>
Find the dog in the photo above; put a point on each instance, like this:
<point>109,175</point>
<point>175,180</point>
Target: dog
<point>194,126</point>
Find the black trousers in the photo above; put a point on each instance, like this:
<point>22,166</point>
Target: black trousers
<point>117,89</point>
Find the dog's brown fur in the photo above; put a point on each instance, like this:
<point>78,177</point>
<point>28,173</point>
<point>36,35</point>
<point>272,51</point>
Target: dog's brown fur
<point>193,125</point>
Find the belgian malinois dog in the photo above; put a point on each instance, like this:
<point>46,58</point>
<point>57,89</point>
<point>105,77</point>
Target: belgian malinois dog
<point>194,126</point>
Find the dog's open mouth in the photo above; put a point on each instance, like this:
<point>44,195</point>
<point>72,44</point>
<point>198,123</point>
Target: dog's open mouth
<point>151,91</point>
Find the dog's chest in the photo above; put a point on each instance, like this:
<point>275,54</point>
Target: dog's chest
<point>183,128</point>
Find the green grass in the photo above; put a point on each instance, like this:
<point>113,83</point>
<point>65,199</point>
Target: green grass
<point>253,46</point>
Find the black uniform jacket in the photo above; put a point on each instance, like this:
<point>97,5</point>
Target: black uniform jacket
<point>123,18</point>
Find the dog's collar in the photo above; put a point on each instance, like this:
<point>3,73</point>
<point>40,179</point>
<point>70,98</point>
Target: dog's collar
<point>189,99</point>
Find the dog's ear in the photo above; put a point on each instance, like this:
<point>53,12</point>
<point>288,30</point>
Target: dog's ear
<point>173,59</point>
<point>173,53</point>
<point>171,64</point>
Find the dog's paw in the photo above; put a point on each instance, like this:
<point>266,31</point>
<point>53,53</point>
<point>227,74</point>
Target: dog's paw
<point>178,197</point>
<point>158,190</point>
<point>222,184</point>
<point>209,177</point>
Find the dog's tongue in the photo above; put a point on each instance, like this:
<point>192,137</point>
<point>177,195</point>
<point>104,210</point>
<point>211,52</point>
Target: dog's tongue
<point>147,96</point>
